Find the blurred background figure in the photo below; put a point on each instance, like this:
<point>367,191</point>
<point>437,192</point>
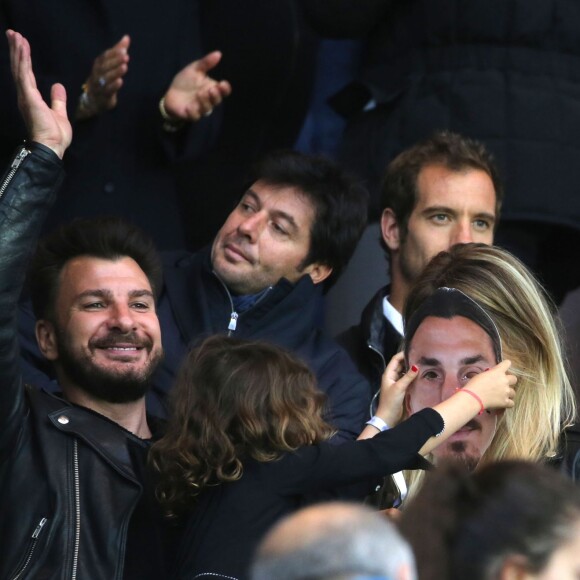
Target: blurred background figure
<point>334,541</point>
<point>117,61</point>
<point>509,521</point>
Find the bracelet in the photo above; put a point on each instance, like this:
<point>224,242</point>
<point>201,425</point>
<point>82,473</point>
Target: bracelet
<point>170,124</point>
<point>84,100</point>
<point>476,397</point>
<point>377,423</point>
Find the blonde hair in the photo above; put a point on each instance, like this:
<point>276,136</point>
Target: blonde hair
<point>524,316</point>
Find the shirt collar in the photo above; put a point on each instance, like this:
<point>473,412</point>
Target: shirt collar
<point>393,315</point>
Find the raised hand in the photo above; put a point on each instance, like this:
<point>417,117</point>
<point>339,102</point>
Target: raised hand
<point>394,385</point>
<point>47,125</point>
<point>192,93</point>
<point>106,79</point>
<point>494,387</point>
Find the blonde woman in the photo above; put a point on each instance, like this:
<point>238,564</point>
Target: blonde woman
<point>519,322</point>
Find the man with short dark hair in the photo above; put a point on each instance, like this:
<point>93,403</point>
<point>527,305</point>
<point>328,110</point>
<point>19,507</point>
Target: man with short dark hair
<point>291,234</point>
<point>442,191</point>
<point>71,470</point>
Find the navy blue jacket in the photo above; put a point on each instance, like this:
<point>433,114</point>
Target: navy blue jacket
<point>195,303</point>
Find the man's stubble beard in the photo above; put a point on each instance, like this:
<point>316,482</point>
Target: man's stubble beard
<point>409,271</point>
<point>102,383</point>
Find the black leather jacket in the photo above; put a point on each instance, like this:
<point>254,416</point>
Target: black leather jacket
<point>67,485</point>
<point>373,341</point>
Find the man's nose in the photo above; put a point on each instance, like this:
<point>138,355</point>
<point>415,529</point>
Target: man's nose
<point>122,318</point>
<point>463,233</point>
<point>251,226</point>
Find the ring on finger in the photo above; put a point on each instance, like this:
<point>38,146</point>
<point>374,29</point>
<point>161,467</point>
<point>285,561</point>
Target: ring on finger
<point>102,82</point>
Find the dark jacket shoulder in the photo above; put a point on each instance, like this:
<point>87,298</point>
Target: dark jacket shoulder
<point>373,341</point>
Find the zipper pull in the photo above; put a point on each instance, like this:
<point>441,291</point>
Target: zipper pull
<point>22,155</point>
<point>39,527</point>
<point>233,321</point>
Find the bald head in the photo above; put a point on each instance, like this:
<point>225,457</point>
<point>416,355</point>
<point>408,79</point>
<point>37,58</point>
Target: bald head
<point>332,541</point>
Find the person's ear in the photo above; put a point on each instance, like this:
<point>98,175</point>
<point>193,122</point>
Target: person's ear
<point>390,229</point>
<point>46,339</point>
<point>407,403</point>
<point>318,272</point>
<point>515,568</point>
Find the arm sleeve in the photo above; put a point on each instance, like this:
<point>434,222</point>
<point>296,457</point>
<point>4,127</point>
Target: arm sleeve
<point>319,467</point>
<point>27,190</point>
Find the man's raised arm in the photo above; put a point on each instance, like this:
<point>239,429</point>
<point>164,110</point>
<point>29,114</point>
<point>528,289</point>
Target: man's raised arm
<point>27,191</point>
<point>46,125</point>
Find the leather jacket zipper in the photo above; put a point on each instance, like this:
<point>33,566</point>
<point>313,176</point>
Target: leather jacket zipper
<point>22,155</point>
<point>77,492</point>
<point>205,574</point>
<point>31,548</point>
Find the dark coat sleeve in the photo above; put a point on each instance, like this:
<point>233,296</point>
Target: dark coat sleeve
<point>320,467</point>
<point>27,191</point>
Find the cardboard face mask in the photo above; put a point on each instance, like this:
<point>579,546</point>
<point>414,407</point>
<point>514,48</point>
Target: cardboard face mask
<point>451,338</point>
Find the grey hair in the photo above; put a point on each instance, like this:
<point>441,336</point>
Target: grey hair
<point>355,543</point>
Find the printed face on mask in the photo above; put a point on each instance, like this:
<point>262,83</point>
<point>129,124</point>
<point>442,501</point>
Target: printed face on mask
<point>448,353</point>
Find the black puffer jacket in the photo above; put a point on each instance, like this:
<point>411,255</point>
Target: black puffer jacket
<point>506,72</point>
<point>67,486</point>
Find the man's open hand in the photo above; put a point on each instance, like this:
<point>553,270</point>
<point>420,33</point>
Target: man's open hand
<point>47,125</point>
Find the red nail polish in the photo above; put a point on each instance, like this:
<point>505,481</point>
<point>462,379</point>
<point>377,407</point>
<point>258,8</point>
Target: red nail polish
<point>414,368</point>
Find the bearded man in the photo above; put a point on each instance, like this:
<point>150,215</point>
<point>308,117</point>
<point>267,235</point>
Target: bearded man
<point>72,466</point>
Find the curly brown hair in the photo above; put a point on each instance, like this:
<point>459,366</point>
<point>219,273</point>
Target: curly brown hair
<point>233,400</point>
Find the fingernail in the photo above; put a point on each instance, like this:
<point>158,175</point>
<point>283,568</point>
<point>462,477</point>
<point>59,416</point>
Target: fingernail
<point>486,369</point>
<point>414,368</point>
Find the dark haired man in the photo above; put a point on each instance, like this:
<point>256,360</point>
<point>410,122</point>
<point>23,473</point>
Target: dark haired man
<point>440,192</point>
<point>443,191</point>
<point>71,468</point>
<point>291,234</point>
